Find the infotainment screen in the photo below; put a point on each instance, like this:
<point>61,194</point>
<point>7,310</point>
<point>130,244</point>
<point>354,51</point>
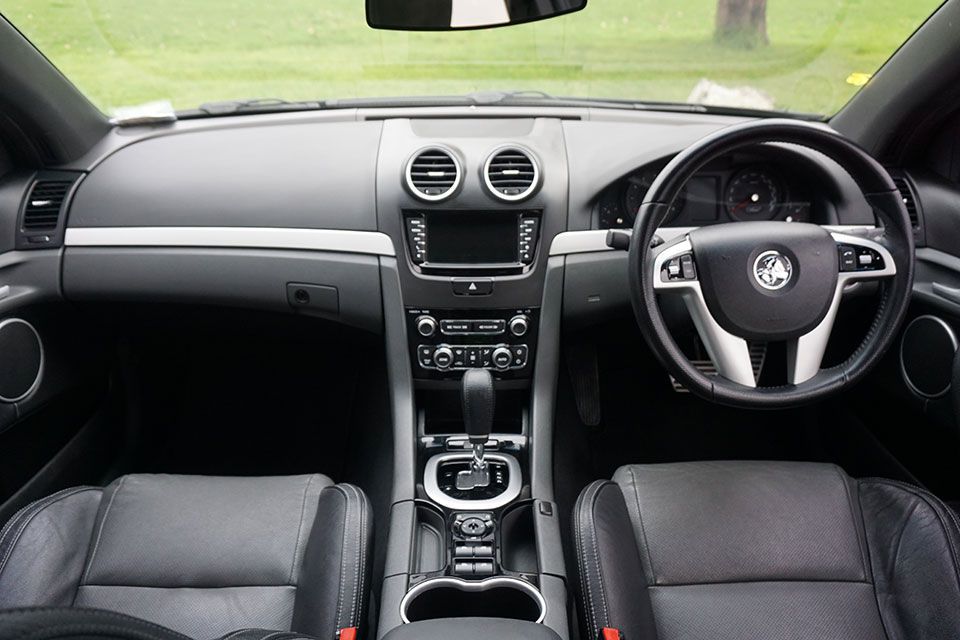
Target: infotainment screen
<point>472,237</point>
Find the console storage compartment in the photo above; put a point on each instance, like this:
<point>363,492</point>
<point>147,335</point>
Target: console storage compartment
<point>471,629</point>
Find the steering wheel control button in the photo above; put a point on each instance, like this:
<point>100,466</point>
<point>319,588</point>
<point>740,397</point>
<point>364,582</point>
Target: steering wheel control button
<point>426,326</point>
<point>772,270</point>
<point>519,325</point>
<point>859,258</point>
<point>472,286</point>
<point>848,258</point>
<point>679,269</point>
<point>443,358</point>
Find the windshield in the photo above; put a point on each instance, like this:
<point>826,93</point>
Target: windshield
<point>794,55</point>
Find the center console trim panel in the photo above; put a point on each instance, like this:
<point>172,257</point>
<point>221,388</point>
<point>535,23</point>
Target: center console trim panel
<point>432,488</point>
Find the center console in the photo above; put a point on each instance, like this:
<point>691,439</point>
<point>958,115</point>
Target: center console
<point>471,216</point>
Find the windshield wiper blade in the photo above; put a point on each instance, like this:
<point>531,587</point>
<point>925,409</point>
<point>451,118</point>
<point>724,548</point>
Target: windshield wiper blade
<point>255,105</point>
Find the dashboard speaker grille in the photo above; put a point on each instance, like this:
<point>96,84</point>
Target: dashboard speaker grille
<point>433,174</point>
<point>511,174</point>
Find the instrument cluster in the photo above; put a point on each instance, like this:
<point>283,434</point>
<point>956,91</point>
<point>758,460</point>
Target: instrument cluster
<point>726,190</point>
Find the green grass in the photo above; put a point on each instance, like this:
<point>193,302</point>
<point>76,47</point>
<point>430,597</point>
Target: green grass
<point>123,52</point>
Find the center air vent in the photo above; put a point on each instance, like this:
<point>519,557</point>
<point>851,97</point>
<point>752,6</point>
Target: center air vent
<point>433,174</point>
<point>908,200</point>
<point>511,173</point>
<point>42,210</point>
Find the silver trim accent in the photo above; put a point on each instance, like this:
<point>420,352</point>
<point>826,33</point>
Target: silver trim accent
<point>804,354</point>
<point>730,354</point>
<point>456,181</point>
<point>596,239</point>
<point>432,488</point>
<point>344,241</point>
<point>36,381</point>
<point>472,586</point>
<point>903,369</point>
<point>523,151</point>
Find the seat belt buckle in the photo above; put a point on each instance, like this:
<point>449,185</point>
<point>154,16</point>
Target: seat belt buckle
<point>350,633</point>
<point>608,633</point>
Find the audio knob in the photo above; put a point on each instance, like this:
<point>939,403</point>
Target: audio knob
<point>519,325</point>
<point>443,358</point>
<point>502,357</point>
<point>426,326</point>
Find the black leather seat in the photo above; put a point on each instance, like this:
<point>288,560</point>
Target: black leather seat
<point>203,556</point>
<point>751,550</point>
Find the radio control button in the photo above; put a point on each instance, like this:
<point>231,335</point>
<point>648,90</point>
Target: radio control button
<point>443,358</point>
<point>502,358</point>
<point>488,326</point>
<point>426,326</point>
<point>519,325</point>
<point>456,326</point>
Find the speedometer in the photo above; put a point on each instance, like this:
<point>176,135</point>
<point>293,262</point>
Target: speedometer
<point>753,194</point>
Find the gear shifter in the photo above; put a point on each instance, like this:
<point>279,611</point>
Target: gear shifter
<point>479,400</point>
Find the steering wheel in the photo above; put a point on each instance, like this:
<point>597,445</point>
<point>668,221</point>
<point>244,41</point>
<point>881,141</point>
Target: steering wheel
<point>770,281</point>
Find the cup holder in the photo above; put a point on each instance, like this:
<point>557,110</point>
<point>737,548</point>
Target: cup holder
<point>498,597</point>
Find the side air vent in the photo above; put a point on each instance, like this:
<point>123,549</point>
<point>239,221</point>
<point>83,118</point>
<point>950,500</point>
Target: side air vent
<point>511,174</point>
<point>43,212</point>
<point>44,203</point>
<point>908,199</point>
<point>433,174</point>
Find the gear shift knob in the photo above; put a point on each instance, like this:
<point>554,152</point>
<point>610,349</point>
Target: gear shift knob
<point>479,401</point>
<point>478,404</point>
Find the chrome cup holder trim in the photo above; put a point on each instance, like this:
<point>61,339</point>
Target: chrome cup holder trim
<point>473,586</point>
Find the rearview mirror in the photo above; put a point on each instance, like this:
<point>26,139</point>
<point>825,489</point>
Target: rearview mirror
<point>446,15</point>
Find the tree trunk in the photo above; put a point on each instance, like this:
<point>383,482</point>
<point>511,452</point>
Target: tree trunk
<point>742,23</point>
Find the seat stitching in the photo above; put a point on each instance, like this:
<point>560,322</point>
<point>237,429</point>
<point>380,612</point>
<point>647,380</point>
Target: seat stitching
<point>362,553</point>
<point>303,510</point>
<point>584,579</point>
<point>237,633</point>
<point>103,522</point>
<point>39,505</point>
<point>343,557</point>
<point>853,516</point>
<point>596,554</point>
<point>643,531</point>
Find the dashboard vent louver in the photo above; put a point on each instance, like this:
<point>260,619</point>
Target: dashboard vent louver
<point>43,206</point>
<point>511,174</point>
<point>433,174</point>
<point>908,200</point>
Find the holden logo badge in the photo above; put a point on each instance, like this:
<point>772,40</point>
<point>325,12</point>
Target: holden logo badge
<point>772,270</point>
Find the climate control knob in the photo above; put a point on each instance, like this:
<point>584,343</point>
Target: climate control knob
<point>502,357</point>
<point>426,326</point>
<point>519,325</point>
<point>443,358</point>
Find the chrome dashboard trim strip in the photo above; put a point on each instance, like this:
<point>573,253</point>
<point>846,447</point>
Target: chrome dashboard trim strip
<point>343,241</point>
<point>596,239</point>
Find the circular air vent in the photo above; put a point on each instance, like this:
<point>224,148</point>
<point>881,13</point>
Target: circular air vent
<point>433,174</point>
<point>511,173</point>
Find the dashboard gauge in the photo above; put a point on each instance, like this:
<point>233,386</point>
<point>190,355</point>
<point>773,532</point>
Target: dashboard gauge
<point>636,189</point>
<point>753,194</point>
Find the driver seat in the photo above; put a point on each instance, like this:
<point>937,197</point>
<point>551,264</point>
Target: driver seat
<point>764,550</point>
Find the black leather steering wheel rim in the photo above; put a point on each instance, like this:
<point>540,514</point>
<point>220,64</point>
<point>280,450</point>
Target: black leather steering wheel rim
<point>895,234</point>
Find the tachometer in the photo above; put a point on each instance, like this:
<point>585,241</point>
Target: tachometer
<point>753,194</point>
<point>636,189</point>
